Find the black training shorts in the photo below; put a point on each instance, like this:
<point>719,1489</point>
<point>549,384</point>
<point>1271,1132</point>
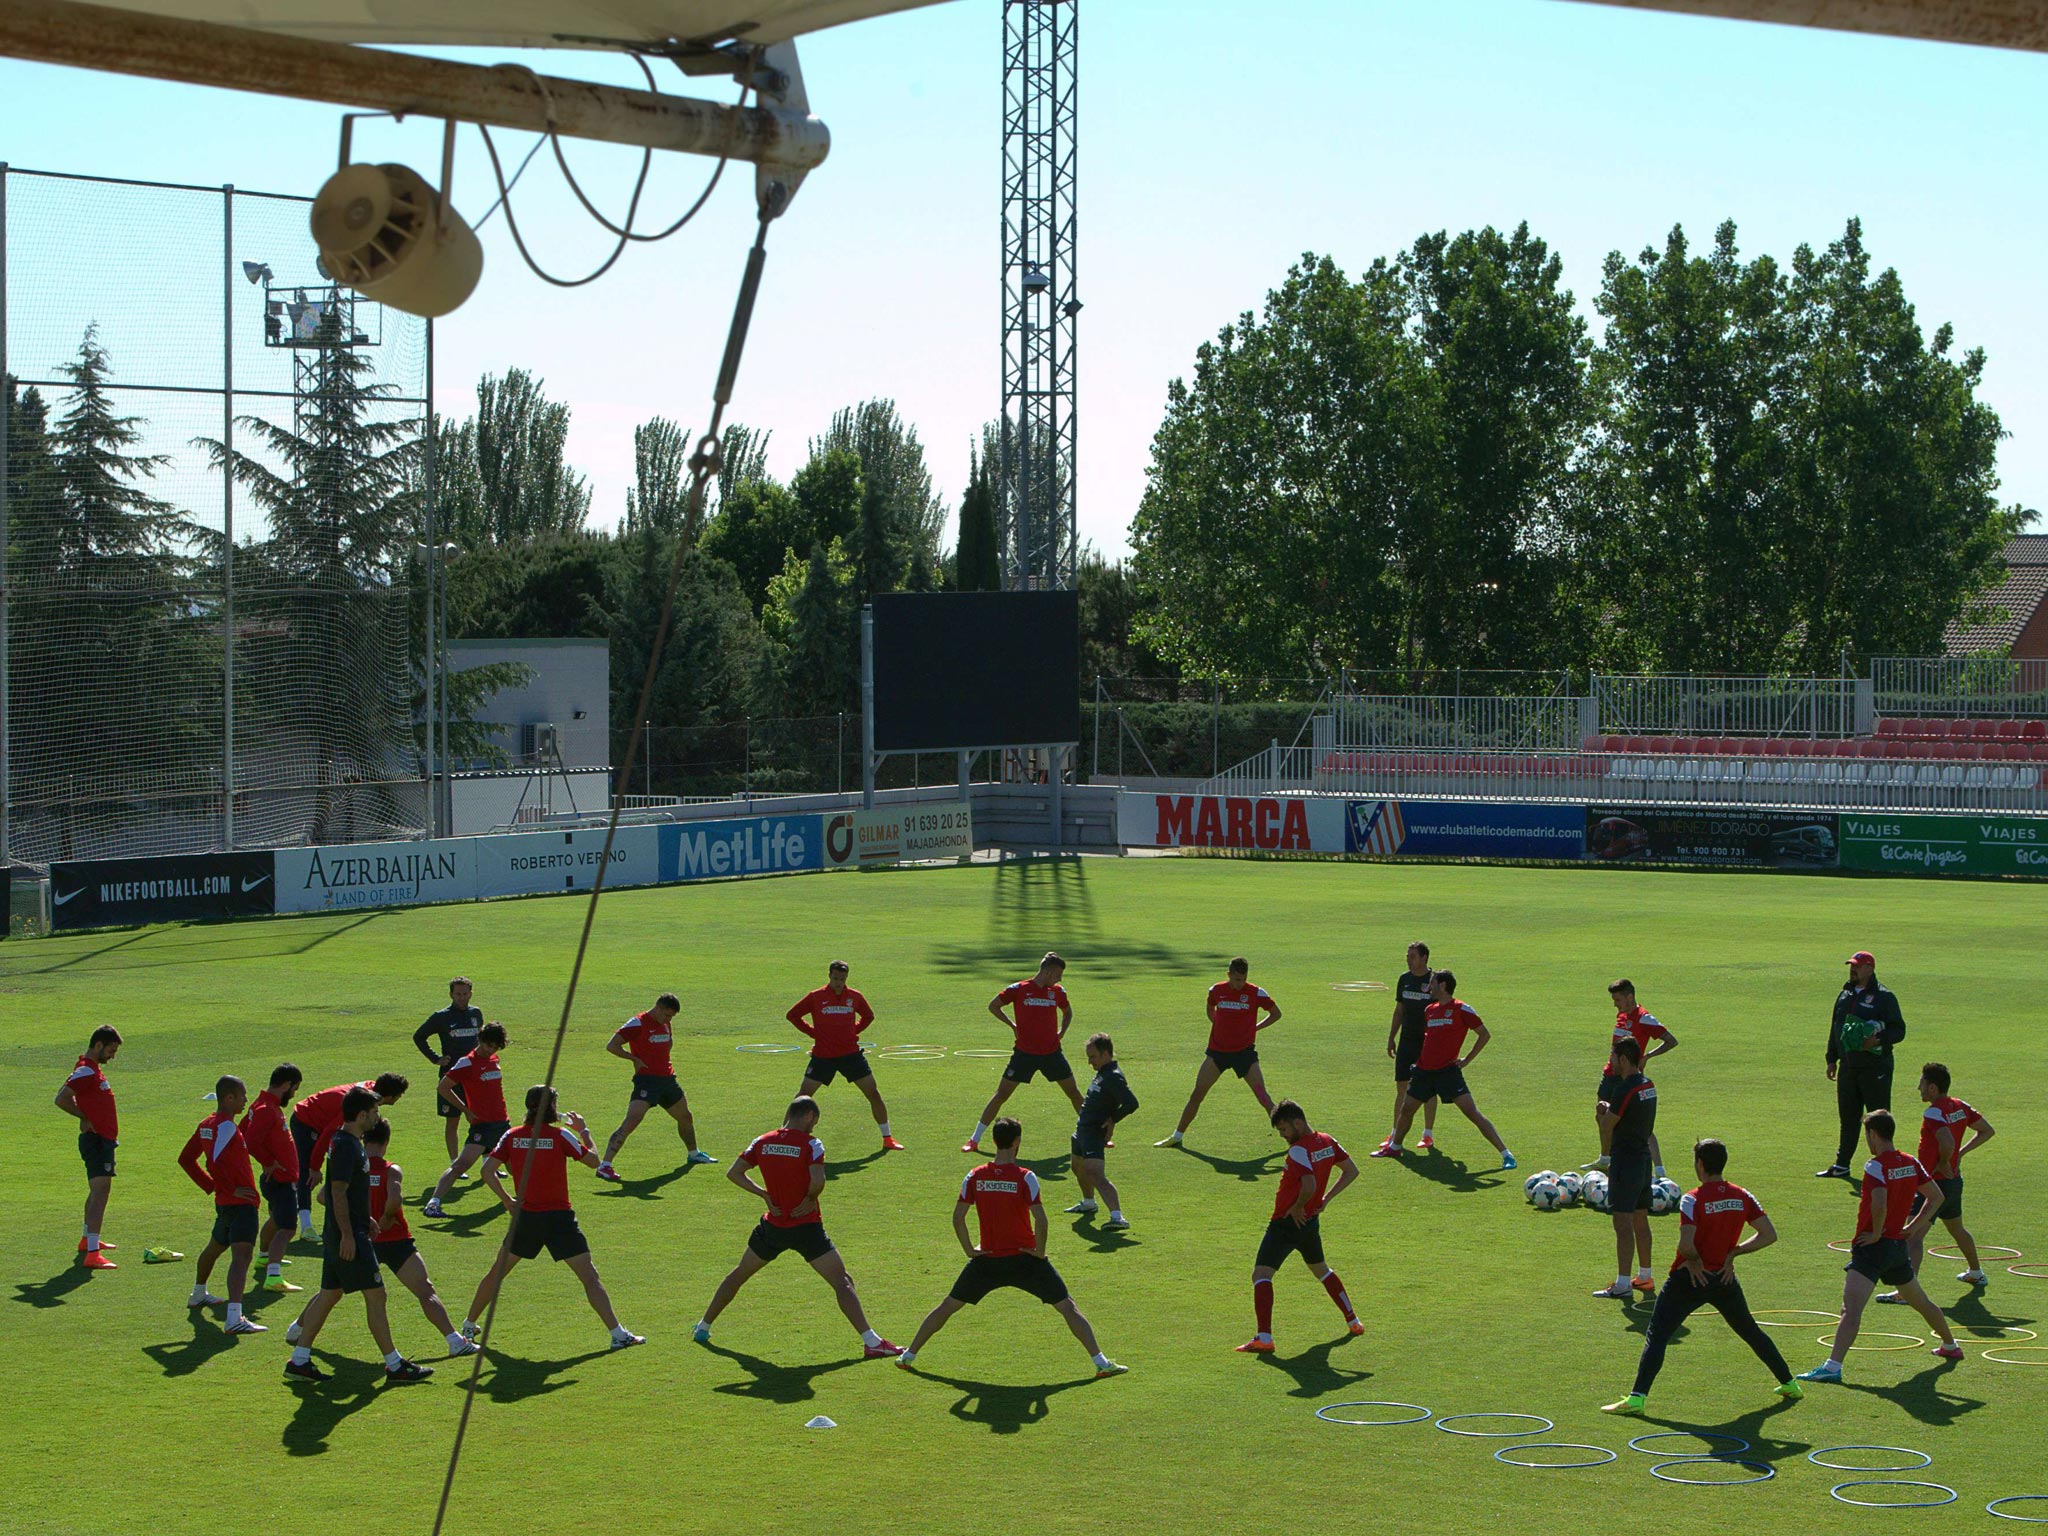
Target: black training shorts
<point>360,1273</point>
<point>1628,1183</point>
<point>653,1088</point>
<point>397,1253</point>
<point>852,1067</point>
<point>1446,1083</point>
<point>1888,1259</point>
<point>1022,1068</point>
<point>486,1134</point>
<point>1240,1062</point>
<point>1284,1237</point>
<point>234,1224</point>
<point>98,1153</point>
<point>555,1231</point>
<point>770,1242</point>
<point>283,1198</point>
<point>1027,1272</point>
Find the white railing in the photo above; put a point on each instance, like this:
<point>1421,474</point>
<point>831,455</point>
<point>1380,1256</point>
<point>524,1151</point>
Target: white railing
<point>1684,704</point>
<point>1784,781</point>
<point>1469,722</point>
<point>1980,686</point>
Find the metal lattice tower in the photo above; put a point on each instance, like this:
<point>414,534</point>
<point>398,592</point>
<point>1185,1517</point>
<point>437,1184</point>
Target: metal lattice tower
<point>1040,307</point>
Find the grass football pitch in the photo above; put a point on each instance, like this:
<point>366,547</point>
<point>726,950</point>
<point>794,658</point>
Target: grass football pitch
<point>122,1413</point>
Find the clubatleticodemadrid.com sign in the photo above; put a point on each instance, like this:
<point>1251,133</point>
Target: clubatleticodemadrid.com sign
<point>100,893</point>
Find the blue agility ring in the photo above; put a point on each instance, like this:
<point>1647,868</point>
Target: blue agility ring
<point>1763,1469</point>
<point>1740,1445</point>
<point>1545,1425</point>
<point>1898,1450</point>
<point>2018,1498</point>
<point>1554,1445</point>
<point>1417,1417</point>
<point>1836,1493</point>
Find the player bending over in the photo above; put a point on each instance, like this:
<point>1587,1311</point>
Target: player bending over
<point>89,1099</point>
<point>1943,1120</point>
<point>792,1165</point>
<point>1881,1249</point>
<point>1710,1223</point>
<point>1237,1012</point>
<point>1042,1017</point>
<point>1296,1227</point>
<point>1109,1099</point>
<point>1634,1022</point>
<point>475,1085</point>
<point>1004,1195</point>
<point>314,1121</point>
<point>216,1158</point>
<point>1440,1070</point>
<point>835,1016</point>
<point>646,1040</point>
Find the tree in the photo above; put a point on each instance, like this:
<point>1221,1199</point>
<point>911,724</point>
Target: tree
<point>742,456</point>
<point>505,473</point>
<point>1112,609</point>
<point>813,617</point>
<point>754,530</point>
<point>659,496</point>
<point>900,519</point>
<point>977,562</point>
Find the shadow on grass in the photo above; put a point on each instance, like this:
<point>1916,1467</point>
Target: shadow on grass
<point>172,945</point>
<point>1970,1315</point>
<point>1751,1426</point>
<point>51,1292</point>
<point>1251,1170</point>
<point>511,1379</point>
<point>1003,1408</point>
<point>1314,1374</point>
<point>1450,1172</point>
<point>1103,1239</point>
<point>467,1223</point>
<point>1921,1396</point>
<point>1049,1167</point>
<point>642,1189</point>
<point>182,1357</point>
<point>854,1164</point>
<point>353,1387</point>
<point>774,1383</point>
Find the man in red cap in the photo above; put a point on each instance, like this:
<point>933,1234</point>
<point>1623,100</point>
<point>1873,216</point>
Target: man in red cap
<point>1867,1024</point>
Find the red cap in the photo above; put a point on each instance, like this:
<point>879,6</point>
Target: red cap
<point>1861,957</point>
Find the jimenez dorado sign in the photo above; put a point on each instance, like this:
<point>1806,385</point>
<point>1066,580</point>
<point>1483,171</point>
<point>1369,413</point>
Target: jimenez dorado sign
<point>99,893</point>
<point>1725,835</point>
<point>1964,845</point>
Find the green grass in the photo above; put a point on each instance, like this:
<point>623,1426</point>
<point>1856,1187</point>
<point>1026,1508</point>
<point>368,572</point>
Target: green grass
<point>121,1414</point>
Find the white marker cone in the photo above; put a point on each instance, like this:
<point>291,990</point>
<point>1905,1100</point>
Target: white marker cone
<point>821,1422</point>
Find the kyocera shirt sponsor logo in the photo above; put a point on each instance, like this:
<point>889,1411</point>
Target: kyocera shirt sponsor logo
<point>1322,1154</point>
<point>748,848</point>
<point>1206,821</point>
<point>354,871</point>
<point>1720,1207</point>
<point>780,1149</point>
<point>999,1186</point>
<point>1903,1171</point>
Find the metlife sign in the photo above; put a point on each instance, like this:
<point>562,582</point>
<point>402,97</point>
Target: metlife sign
<point>750,845</point>
<point>375,875</point>
<point>99,893</point>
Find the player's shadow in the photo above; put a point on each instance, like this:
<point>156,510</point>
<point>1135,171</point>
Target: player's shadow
<point>643,1189</point>
<point>1003,1408</point>
<point>323,1405</point>
<point>184,1356</point>
<point>1970,1315</point>
<point>1751,1426</point>
<point>1921,1395</point>
<point>1452,1173</point>
<point>51,1292</point>
<point>470,1223</point>
<point>1102,1238</point>
<point>772,1383</point>
<point>511,1379</point>
<point>1249,1170</point>
<point>1314,1374</point>
<point>848,1165</point>
<point>1638,1309</point>
<point>1049,1167</point>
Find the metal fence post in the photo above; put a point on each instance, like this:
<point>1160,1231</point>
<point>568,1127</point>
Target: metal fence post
<point>839,753</point>
<point>1095,768</point>
<point>227,540</point>
<point>6,403</point>
<point>647,753</point>
<point>867,708</point>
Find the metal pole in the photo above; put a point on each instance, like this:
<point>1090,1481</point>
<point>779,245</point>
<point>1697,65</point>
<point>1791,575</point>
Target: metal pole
<point>839,753</point>
<point>1053,800</point>
<point>647,753</point>
<point>963,774</point>
<point>1095,766</point>
<point>429,464</point>
<point>441,645</point>
<point>747,769</point>
<point>867,708</point>
<point>6,409</point>
<point>227,478</point>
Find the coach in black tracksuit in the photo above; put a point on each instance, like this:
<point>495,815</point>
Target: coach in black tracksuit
<point>1862,1077</point>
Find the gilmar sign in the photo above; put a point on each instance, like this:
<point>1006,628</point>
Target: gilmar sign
<point>1260,823</point>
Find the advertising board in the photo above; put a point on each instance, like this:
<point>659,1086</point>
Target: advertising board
<point>96,893</point>
<point>744,845</point>
<point>1730,836</point>
<point>1464,829</point>
<point>376,875</point>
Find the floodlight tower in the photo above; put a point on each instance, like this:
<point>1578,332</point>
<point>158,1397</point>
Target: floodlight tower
<point>1037,530</point>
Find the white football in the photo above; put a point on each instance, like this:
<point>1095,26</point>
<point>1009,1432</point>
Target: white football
<point>1594,1191</point>
<point>1529,1184</point>
<point>1567,1195</point>
<point>1664,1197</point>
<point>1572,1184</point>
<point>1548,1197</point>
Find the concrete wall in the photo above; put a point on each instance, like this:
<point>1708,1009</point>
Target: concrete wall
<point>570,678</point>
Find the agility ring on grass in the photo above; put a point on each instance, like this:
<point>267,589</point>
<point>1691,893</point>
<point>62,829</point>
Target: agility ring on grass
<point>2019,1498</point>
<point>1358,986</point>
<point>2032,1270</point>
<point>1740,1445</point>
<point>1543,1425</point>
<point>1833,1317</point>
<point>1836,1493</point>
<point>1843,1466</point>
<point>1913,1342</point>
<point>768,1048</point>
<point>1416,1417</point>
<point>1604,1454</point>
<point>1763,1471</point>
<point>1999,1354</point>
<point>980,1053</point>
<point>908,1052</point>
<point>1990,1251</point>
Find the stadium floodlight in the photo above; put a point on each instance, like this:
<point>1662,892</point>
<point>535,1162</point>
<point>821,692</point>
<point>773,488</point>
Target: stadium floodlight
<point>258,271</point>
<point>1035,281</point>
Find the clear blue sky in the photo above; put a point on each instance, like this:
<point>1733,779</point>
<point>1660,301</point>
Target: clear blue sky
<point>1219,140</point>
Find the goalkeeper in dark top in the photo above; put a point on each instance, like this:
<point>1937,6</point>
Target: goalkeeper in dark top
<point>1108,1100</point>
<point>1866,1025</point>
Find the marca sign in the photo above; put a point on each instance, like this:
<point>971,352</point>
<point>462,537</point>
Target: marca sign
<point>1266,823</point>
<point>751,845</point>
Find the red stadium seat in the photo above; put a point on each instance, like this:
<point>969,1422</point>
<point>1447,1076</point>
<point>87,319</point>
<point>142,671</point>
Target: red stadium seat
<point>1873,746</point>
<point>1983,730</point>
<point>1959,730</point>
<point>1590,743</point>
<point>2034,730</point>
<point>1921,750</point>
<point>2008,730</point>
<point>1633,744</point>
<point>1843,748</point>
<point>1775,747</point>
<point>1614,743</point>
<point>1660,745</point>
<point>1891,725</point>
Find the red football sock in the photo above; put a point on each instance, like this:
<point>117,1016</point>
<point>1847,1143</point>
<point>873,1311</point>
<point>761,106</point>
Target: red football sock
<point>1262,1304</point>
<point>1336,1289</point>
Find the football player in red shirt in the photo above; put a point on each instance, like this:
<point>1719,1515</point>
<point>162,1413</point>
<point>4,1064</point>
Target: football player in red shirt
<point>646,1040</point>
<point>834,1016</point>
<point>1710,1223</point>
<point>1042,1018</point>
<point>538,1153</point>
<point>392,1238</point>
<point>1305,1193</point>
<point>1004,1194</point>
<point>216,1158</point>
<point>315,1119</point>
<point>792,1165</point>
<point>1888,1221</point>
<point>1237,1012</point>
<point>88,1099</point>
<point>475,1086</point>
<point>270,1142</point>
<point>1440,1071</point>
<point>1634,1022</point>
<point>1941,1153</point>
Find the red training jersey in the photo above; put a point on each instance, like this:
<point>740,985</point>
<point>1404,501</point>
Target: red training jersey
<point>1637,1024</point>
<point>1234,1015</point>
<point>1954,1114</point>
<point>270,1139</point>
<point>322,1110</point>
<point>1444,1027</point>
<point>482,1083</point>
<point>227,1175</point>
<point>1036,1011</point>
<point>380,1185</point>
<point>550,1149</point>
<point>94,1097</point>
<point>649,1040</point>
<point>786,1158</point>
<point>1717,1212</point>
<point>1003,1196</point>
<point>1900,1176</point>
<point>1315,1157</point>
<point>833,1020</point>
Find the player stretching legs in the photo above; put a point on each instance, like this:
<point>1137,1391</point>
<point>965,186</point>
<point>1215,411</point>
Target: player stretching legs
<point>1710,1223</point>
<point>88,1099</point>
<point>1627,1117</point>
<point>1305,1192</point>
<point>1440,1071</point>
<point>538,1153</point>
<point>1880,1249</point>
<point>1404,1038</point>
<point>227,1176</point>
<point>270,1143</point>
<point>792,1164</point>
<point>1944,1119</point>
<point>1109,1100</point>
<point>1634,1022</point>
<point>313,1123</point>
<point>646,1040</point>
<point>475,1085</point>
<point>392,1239</point>
<point>1235,1019</point>
<point>1042,1018</point>
<point>835,1016</point>
<point>1004,1194</point>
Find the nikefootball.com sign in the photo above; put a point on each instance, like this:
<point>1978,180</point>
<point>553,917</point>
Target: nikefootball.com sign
<point>98,893</point>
